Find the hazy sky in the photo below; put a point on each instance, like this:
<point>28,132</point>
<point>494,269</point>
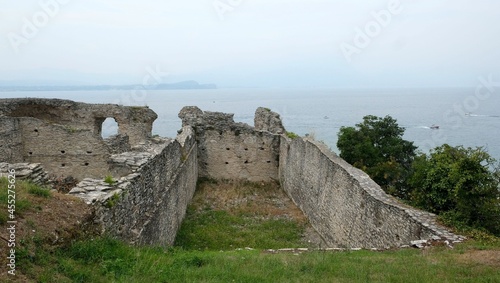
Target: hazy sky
<point>253,43</point>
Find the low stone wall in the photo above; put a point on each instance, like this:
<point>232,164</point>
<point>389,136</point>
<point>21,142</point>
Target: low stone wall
<point>345,206</point>
<point>148,205</point>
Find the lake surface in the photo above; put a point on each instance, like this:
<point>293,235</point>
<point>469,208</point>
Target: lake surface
<point>321,112</point>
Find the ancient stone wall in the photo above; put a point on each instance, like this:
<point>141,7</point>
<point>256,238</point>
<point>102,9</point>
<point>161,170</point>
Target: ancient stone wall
<point>11,143</point>
<point>64,151</point>
<point>153,199</point>
<point>65,136</point>
<point>156,177</point>
<point>135,122</point>
<point>229,150</point>
<point>344,205</point>
<point>148,205</point>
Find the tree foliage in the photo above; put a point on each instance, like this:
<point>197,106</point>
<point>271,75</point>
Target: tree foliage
<point>460,184</point>
<point>377,147</point>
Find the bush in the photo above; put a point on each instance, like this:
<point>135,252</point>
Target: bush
<point>459,184</point>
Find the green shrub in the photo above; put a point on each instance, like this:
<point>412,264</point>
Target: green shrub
<point>458,184</point>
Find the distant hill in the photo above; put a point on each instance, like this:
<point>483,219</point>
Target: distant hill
<point>178,85</point>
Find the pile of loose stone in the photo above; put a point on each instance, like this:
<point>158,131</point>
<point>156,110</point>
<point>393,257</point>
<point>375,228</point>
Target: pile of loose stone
<point>98,190</point>
<point>26,171</point>
<point>93,190</point>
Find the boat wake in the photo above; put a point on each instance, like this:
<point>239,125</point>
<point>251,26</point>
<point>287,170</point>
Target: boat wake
<point>480,115</point>
<point>433,127</point>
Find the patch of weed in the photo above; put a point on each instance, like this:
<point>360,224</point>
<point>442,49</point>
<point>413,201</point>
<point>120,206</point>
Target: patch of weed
<point>109,180</point>
<point>112,201</point>
<point>292,135</point>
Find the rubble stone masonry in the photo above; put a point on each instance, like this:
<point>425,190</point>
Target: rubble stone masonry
<point>154,179</point>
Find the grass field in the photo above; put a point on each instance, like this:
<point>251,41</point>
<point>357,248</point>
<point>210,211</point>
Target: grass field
<point>211,248</point>
<point>105,260</point>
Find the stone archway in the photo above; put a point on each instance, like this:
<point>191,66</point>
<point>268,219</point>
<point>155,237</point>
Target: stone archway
<point>109,127</point>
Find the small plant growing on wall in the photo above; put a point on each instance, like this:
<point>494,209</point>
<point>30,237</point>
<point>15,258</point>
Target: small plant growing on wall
<point>109,180</point>
<point>111,202</point>
<point>291,135</point>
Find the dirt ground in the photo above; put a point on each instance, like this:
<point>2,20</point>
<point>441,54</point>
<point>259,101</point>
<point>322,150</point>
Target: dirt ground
<point>483,257</point>
<point>51,221</point>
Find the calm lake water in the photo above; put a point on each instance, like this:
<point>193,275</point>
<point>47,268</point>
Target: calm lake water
<point>321,112</point>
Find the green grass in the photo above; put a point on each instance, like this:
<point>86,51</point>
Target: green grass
<point>22,204</point>
<point>220,230</point>
<point>106,260</point>
<point>212,224</point>
<point>37,190</point>
<point>206,250</point>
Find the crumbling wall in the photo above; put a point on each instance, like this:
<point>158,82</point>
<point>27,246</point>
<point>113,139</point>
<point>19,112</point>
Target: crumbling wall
<point>148,205</point>
<point>135,122</point>
<point>65,136</point>
<point>229,150</point>
<point>156,178</point>
<point>345,206</point>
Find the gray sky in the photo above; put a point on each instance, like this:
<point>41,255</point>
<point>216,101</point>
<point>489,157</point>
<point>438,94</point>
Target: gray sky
<point>253,43</point>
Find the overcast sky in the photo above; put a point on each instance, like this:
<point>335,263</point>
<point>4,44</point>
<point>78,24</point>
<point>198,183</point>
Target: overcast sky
<point>253,43</point>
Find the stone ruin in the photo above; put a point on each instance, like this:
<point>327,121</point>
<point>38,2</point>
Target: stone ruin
<point>65,136</point>
<point>155,178</point>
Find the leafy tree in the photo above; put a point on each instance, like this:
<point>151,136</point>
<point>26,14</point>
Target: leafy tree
<point>377,147</point>
<point>458,183</point>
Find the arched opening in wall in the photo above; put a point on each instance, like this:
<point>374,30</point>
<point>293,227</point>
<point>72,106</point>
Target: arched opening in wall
<point>109,128</point>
